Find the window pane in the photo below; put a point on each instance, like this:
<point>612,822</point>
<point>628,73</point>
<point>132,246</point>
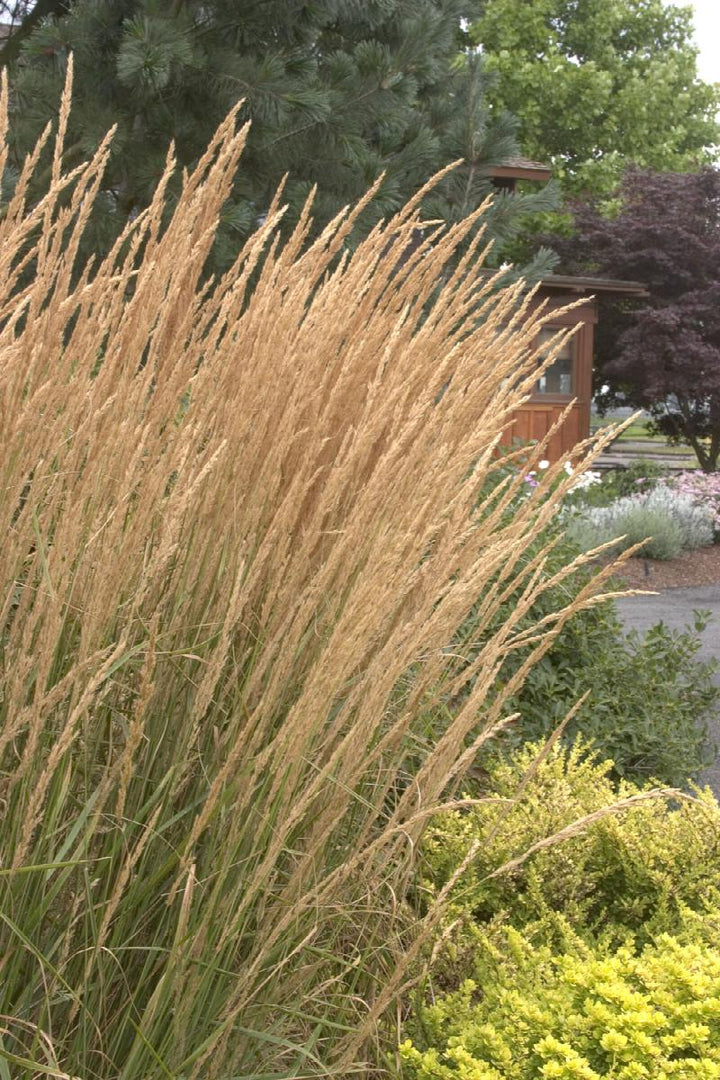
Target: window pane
<point>558,378</point>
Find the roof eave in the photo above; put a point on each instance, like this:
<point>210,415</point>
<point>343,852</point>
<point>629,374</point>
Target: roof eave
<point>518,172</point>
<point>577,284</point>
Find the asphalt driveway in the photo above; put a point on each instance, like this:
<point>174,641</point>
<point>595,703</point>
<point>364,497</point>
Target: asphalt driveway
<point>675,608</point>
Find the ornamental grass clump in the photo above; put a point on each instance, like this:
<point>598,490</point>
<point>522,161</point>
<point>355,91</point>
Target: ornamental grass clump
<point>242,521</point>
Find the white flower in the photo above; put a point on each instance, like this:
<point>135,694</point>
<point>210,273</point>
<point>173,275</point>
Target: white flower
<point>588,479</point>
<point>568,468</point>
<point>543,464</point>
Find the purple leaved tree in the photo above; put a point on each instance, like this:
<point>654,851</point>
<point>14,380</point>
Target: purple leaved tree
<point>662,353</point>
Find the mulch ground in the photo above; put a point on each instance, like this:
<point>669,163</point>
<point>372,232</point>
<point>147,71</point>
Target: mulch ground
<point>700,567</point>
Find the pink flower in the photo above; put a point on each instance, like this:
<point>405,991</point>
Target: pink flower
<point>704,489</point>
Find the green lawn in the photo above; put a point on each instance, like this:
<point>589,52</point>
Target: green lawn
<point>637,432</point>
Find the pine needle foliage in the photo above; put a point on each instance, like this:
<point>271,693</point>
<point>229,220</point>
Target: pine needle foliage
<point>241,526</point>
<point>339,92</point>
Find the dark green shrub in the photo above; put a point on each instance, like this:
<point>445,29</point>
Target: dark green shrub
<point>577,1016</point>
<point>636,478</point>
<point>650,698</point>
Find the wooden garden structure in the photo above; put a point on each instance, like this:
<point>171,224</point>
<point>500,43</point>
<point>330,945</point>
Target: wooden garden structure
<point>569,378</point>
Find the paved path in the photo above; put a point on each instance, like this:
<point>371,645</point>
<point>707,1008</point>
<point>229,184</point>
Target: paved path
<point>675,608</point>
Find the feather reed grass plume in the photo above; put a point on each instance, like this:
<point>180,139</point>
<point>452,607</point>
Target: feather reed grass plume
<point>242,521</point>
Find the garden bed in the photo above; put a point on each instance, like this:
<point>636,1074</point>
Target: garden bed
<point>701,567</point>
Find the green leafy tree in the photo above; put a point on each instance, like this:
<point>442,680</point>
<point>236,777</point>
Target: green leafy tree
<point>338,93</point>
<point>601,84</point>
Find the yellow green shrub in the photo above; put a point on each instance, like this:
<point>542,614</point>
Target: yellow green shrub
<point>626,875</point>
<point>582,1016</point>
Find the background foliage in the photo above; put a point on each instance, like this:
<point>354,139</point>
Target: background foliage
<point>663,353</point>
<point>338,92</point>
<point>600,85</point>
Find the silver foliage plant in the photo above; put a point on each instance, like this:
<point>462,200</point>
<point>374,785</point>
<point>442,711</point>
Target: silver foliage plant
<point>670,521</point>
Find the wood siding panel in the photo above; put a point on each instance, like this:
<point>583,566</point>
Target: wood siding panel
<point>533,422</point>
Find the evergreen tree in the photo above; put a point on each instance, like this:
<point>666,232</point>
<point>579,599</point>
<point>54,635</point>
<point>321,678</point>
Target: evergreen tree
<point>338,91</point>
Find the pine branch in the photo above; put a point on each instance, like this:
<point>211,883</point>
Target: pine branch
<point>314,123</point>
<point>42,10</point>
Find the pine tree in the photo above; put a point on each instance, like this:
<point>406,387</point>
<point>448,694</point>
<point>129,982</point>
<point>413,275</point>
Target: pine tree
<point>338,91</point>
<point>470,130</point>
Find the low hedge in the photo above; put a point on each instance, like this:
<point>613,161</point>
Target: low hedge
<point>593,957</point>
<point>673,522</point>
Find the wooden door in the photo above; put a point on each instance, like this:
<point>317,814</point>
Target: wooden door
<point>567,383</point>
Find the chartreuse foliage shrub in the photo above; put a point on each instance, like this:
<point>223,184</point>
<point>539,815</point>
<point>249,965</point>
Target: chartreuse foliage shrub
<point>625,877</point>
<point>580,1016</point>
<point>593,957</point>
